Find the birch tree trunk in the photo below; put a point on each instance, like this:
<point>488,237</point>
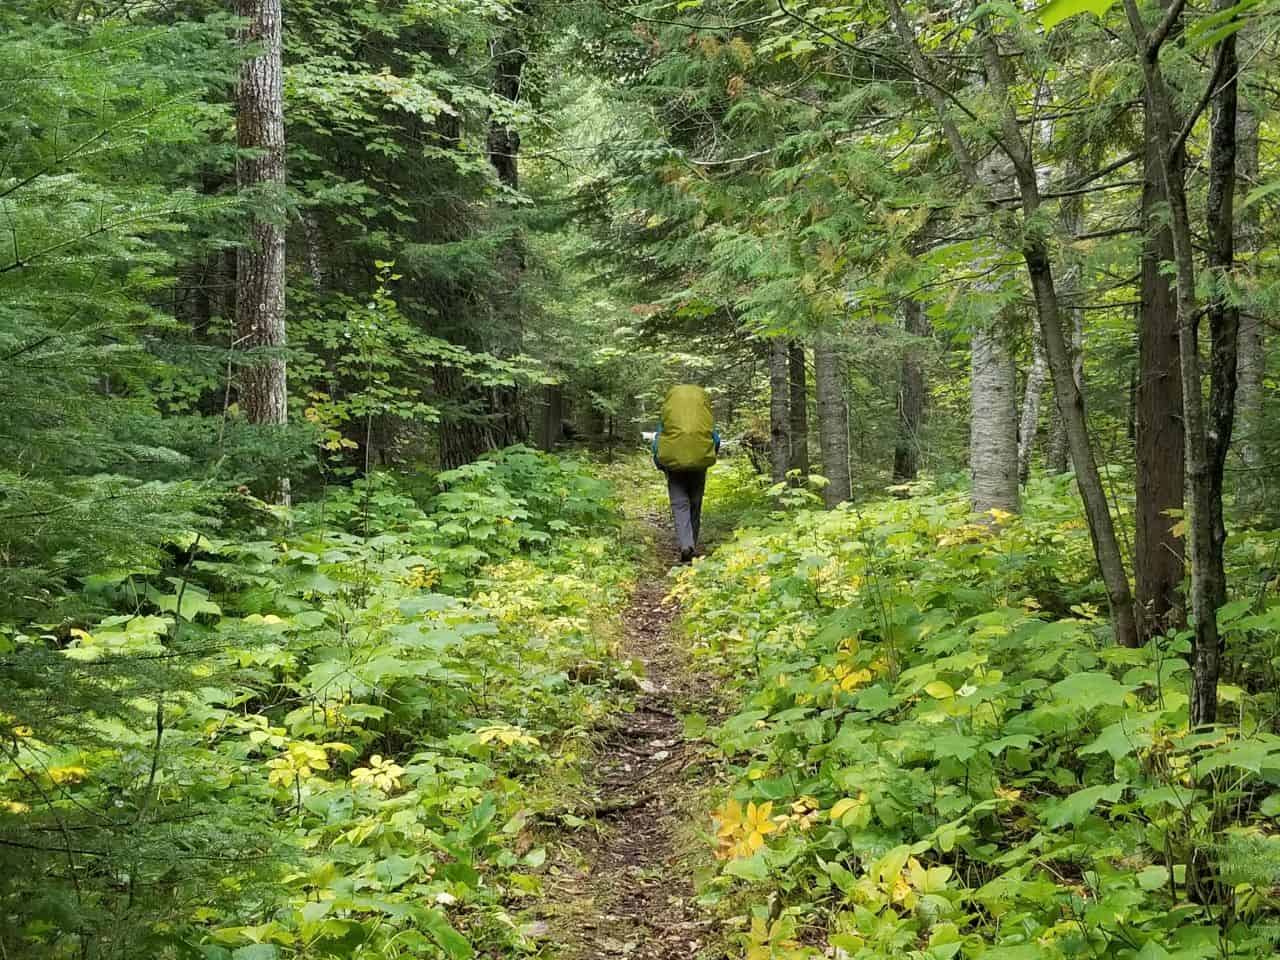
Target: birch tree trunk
<point>779,410</point>
<point>993,409</point>
<point>1071,221</point>
<point>1029,423</point>
<point>1035,255</point>
<point>993,429</point>
<point>833,419</point>
<point>911,394</point>
<point>260,176</point>
<point>799,410</point>
<point>1159,561</point>
<point>1057,453</point>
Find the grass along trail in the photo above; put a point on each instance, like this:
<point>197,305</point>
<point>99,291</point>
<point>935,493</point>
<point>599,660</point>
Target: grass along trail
<point>629,891</point>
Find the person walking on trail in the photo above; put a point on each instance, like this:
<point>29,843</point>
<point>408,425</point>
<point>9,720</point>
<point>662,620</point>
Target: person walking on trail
<point>684,448</point>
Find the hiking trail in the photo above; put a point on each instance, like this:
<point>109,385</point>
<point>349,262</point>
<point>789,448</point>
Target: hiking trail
<point>626,887</point>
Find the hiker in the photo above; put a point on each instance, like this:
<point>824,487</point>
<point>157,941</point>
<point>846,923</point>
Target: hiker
<point>684,447</point>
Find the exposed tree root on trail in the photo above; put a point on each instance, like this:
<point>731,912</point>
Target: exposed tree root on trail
<point>631,892</point>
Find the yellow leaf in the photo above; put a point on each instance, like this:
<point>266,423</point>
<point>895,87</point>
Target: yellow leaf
<point>842,807</point>
<point>939,690</point>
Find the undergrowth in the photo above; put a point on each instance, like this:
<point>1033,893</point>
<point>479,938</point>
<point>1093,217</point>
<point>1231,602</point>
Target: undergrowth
<point>358,722</point>
<point>938,753</point>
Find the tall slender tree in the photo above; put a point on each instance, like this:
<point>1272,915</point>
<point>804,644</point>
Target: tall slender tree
<point>510,53</point>
<point>799,409</point>
<point>1207,432</point>
<point>1010,140</point>
<point>911,393</point>
<point>993,424</point>
<point>833,418</point>
<point>1252,489</point>
<point>1071,218</point>
<point>779,410</point>
<point>260,177</point>
<point>1029,419</point>
<point>1158,435</point>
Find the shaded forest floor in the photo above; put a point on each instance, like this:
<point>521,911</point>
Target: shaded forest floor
<point>623,886</point>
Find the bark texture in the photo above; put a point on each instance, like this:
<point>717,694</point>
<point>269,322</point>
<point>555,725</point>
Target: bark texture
<point>993,425</point>
<point>1035,255</point>
<point>1057,452</point>
<point>1029,422</point>
<point>1252,490</point>
<point>833,419</point>
<point>779,410</point>
<point>552,417</point>
<point>911,394</point>
<point>509,55</point>
<point>260,174</point>
<point>799,410</point>
<point>1159,555</point>
<point>508,423</point>
<point>993,411</point>
<point>1207,432</point>
<point>1224,334</point>
<point>465,424</point>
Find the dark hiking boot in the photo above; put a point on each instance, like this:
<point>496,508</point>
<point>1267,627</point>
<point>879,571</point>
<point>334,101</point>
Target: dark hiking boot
<point>686,555</point>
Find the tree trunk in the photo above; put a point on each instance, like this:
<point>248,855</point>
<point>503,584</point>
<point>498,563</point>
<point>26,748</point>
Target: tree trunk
<point>1224,334</point>
<point>1251,492</point>
<point>779,412</point>
<point>993,411</point>
<point>799,411</point>
<point>1206,437</point>
<point>1029,424</point>
<point>311,237</point>
<point>1159,562</point>
<point>1070,401</point>
<point>833,419</point>
<point>1035,254</point>
<point>1057,455</point>
<point>993,425</point>
<point>260,176</point>
<point>911,394</point>
<point>552,417</point>
<point>465,434</point>
<point>510,54</point>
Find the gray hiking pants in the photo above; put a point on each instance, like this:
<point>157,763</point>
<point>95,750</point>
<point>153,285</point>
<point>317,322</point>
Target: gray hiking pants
<point>685,487</point>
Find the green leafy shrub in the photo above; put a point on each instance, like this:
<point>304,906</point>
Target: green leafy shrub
<point>323,742</point>
<point>939,754</point>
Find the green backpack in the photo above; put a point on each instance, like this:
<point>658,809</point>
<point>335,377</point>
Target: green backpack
<point>685,442</point>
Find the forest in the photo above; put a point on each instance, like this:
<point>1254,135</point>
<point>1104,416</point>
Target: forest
<point>343,613</point>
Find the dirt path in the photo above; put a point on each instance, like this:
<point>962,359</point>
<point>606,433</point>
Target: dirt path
<point>630,893</point>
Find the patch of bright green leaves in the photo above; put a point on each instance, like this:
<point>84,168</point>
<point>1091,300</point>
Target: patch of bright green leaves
<point>958,763</point>
<point>366,716</point>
